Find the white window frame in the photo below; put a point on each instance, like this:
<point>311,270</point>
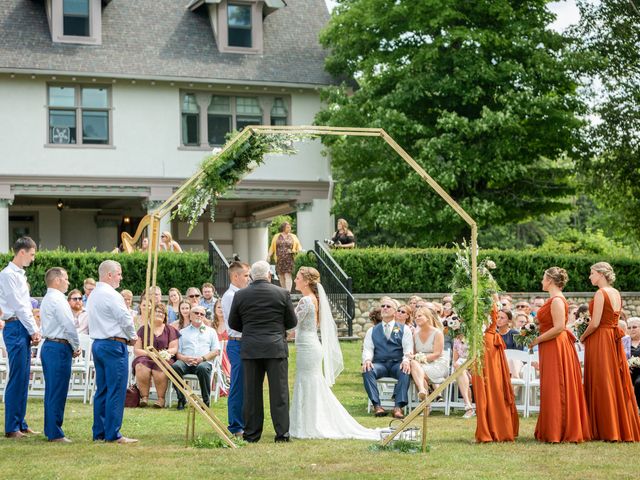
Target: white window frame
<point>56,24</point>
<point>257,40</point>
<point>78,108</point>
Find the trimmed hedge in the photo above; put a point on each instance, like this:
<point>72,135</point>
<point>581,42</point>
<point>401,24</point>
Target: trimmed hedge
<point>394,270</point>
<point>181,271</point>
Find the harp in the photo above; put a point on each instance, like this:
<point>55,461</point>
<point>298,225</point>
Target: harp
<point>129,242</point>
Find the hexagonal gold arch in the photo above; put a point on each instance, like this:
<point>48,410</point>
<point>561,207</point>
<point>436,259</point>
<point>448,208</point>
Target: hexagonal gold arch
<point>152,222</point>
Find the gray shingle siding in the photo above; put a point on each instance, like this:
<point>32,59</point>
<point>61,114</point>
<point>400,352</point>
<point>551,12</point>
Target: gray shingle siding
<point>163,39</point>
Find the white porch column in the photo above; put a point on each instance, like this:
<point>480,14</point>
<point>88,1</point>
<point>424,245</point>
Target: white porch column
<point>4,224</point>
<point>107,233</point>
<point>314,222</point>
<point>241,240</point>
<point>49,227</point>
<point>258,235</point>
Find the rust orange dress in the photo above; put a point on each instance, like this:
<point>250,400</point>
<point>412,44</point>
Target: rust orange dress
<point>607,382</point>
<point>496,414</point>
<point>563,410</point>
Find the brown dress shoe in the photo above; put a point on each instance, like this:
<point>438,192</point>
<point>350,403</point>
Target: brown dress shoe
<point>61,440</point>
<point>397,413</point>
<point>378,411</point>
<point>123,440</point>
<point>28,431</point>
<point>15,435</point>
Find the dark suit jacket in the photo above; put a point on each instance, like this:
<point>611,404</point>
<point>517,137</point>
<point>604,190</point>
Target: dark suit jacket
<point>262,312</point>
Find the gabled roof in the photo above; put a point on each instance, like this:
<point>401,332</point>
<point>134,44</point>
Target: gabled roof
<point>163,39</point>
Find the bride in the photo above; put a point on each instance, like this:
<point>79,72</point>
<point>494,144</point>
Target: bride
<point>315,411</point>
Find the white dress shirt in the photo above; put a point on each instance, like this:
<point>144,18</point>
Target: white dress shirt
<point>196,342</point>
<point>109,316</point>
<point>227,300</point>
<point>57,318</point>
<point>15,300</point>
<point>407,342</point>
<point>81,321</point>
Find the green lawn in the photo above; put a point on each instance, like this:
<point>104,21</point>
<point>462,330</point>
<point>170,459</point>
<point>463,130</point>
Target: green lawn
<point>162,454</point>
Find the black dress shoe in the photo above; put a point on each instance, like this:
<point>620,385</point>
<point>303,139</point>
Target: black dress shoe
<point>281,439</point>
<point>181,404</point>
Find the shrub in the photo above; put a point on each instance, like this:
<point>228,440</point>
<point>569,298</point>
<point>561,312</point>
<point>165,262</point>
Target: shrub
<point>393,270</point>
<point>174,270</point>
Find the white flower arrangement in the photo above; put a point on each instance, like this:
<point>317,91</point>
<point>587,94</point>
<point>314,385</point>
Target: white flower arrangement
<point>634,362</point>
<point>420,357</point>
<point>165,355</point>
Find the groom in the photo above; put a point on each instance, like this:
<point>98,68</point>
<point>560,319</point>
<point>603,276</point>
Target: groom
<point>263,313</point>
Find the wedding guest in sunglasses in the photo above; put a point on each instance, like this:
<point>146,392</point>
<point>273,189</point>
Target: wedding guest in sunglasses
<point>80,317</point>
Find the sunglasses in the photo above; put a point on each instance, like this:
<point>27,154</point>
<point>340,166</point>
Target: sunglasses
<point>194,296</point>
<point>76,299</point>
<point>200,314</point>
<point>404,312</point>
<point>387,306</point>
<point>521,306</point>
<point>635,326</point>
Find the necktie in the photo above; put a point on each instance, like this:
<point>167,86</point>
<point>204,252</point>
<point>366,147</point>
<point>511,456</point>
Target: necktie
<point>387,330</point>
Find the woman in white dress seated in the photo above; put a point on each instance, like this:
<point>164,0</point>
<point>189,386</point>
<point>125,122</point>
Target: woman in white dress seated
<point>430,363</point>
<point>315,411</point>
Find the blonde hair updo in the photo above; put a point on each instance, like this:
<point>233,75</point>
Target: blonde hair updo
<point>605,269</point>
<point>557,275</point>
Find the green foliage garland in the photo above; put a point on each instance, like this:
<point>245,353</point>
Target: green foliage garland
<point>221,170</point>
<point>462,289</point>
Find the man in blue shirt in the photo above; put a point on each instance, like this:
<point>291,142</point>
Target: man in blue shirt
<point>197,347</point>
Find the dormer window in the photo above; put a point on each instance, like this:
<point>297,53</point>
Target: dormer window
<point>76,21</point>
<point>238,24</point>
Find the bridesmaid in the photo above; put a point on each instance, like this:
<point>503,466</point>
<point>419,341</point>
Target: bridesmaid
<point>563,411</point>
<point>497,417</point>
<point>607,385</point>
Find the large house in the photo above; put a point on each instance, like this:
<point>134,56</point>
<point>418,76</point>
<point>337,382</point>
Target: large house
<point>107,106</point>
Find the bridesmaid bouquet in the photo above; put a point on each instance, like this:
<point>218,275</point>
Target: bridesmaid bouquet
<point>581,324</point>
<point>528,333</point>
<point>634,362</point>
<point>453,326</point>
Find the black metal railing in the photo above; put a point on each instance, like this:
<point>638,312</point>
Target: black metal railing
<point>337,285</point>
<point>219,268</point>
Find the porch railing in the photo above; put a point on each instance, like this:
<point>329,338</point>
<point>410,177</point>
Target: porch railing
<point>219,268</point>
<point>337,285</point>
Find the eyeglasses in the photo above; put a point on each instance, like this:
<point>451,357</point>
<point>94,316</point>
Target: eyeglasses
<point>635,326</point>
<point>200,314</point>
<point>387,306</point>
<point>76,299</point>
<point>194,296</point>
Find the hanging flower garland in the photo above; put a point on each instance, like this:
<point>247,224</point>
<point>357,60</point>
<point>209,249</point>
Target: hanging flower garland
<point>463,298</point>
<point>224,168</point>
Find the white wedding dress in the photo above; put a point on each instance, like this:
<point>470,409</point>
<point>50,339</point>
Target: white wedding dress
<point>315,411</point>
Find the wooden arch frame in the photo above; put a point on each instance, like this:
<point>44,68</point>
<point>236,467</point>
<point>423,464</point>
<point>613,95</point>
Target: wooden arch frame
<point>152,221</point>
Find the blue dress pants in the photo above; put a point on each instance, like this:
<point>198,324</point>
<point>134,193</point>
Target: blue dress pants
<point>18,343</point>
<point>110,359</point>
<point>56,365</point>
<point>236,395</point>
<point>387,369</point>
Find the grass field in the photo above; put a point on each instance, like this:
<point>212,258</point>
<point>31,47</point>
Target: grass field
<point>161,452</point>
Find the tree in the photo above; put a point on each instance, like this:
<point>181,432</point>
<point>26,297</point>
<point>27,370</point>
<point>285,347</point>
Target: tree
<point>480,93</point>
<point>611,33</point>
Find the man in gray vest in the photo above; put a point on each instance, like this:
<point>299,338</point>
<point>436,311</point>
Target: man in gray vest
<point>386,353</point>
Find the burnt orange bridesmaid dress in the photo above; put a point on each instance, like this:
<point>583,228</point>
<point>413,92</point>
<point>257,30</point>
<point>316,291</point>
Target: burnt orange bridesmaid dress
<point>607,383</point>
<point>563,410</point>
<point>496,414</point>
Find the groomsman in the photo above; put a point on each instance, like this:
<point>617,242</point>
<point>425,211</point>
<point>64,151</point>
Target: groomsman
<point>111,328</point>
<point>61,343</point>
<point>20,332</point>
<point>239,277</point>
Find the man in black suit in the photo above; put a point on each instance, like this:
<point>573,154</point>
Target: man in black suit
<point>263,313</point>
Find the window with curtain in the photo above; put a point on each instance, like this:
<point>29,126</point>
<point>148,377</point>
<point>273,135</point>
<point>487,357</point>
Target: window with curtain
<point>239,25</point>
<point>278,112</point>
<point>248,112</point>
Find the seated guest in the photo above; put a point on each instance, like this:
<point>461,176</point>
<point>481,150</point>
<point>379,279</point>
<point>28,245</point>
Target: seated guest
<point>626,340</point>
<point>88,286</point>
<point>375,315</point>
<point>430,361</point>
<point>523,307</point>
<point>193,296</point>
<point>404,316</point>
<point>198,345</point>
<point>413,301</point>
<point>634,333</point>
<point>157,294</point>
<point>175,297</point>
<point>165,339</point>
<point>506,302</point>
<point>168,244</point>
<point>217,323</point>
<point>508,336</point>
<point>460,355</point>
<point>80,317</point>
<point>386,353</point>
<point>208,298</point>
<point>184,309</point>
<point>519,320</point>
<point>128,299</point>
<point>140,318</point>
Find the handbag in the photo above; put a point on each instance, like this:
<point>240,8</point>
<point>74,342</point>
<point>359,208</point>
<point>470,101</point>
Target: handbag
<point>132,398</point>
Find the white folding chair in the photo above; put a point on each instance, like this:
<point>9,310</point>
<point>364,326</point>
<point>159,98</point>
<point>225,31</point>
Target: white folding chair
<point>85,368</point>
<point>219,382</point>
<point>522,384</point>
<point>441,404</point>
<point>4,366</point>
<point>36,382</point>
<point>386,386</point>
<point>533,379</point>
